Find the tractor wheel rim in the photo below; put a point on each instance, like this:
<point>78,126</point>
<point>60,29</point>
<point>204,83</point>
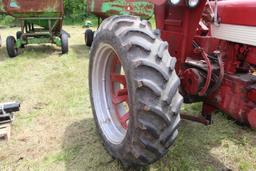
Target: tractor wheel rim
<point>110,94</point>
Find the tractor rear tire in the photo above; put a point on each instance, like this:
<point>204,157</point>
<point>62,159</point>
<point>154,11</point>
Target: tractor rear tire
<point>64,43</point>
<point>18,36</point>
<point>153,90</point>
<point>88,37</point>
<point>11,47</point>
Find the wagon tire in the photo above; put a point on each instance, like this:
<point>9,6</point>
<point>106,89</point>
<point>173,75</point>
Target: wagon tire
<point>88,37</point>
<point>18,36</point>
<point>64,43</point>
<point>11,47</point>
<point>153,90</point>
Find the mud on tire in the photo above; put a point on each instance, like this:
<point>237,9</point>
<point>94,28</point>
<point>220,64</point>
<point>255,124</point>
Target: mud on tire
<point>154,99</point>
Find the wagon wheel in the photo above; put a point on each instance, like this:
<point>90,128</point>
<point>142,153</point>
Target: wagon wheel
<point>134,91</point>
<point>11,47</point>
<point>64,43</point>
<point>18,36</point>
<point>88,37</point>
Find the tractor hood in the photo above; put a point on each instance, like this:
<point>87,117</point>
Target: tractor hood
<point>237,12</point>
<point>237,21</point>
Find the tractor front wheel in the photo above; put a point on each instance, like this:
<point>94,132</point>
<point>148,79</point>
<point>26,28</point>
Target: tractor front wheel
<point>11,47</point>
<point>64,43</point>
<point>134,91</point>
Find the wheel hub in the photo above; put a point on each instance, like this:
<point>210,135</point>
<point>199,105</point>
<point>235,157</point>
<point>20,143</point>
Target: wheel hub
<point>119,92</point>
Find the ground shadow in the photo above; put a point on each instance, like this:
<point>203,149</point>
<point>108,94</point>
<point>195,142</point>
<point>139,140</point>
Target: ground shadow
<point>191,151</point>
<point>3,54</point>
<point>83,148</point>
<point>81,50</point>
<point>32,51</point>
<point>40,51</point>
<point>200,147</point>
<point>84,151</point>
<point>44,51</point>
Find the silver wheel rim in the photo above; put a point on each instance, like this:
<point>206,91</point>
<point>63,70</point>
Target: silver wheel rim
<point>106,117</point>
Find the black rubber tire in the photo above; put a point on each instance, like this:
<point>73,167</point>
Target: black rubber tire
<point>64,43</point>
<point>153,87</point>
<point>11,47</point>
<point>18,36</point>
<point>88,37</point>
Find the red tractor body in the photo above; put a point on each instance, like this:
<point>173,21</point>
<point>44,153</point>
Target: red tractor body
<point>215,47</point>
<point>228,84</point>
<point>236,37</point>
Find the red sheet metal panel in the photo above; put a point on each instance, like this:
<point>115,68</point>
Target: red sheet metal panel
<point>237,12</point>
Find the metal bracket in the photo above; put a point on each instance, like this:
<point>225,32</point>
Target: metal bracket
<point>198,119</point>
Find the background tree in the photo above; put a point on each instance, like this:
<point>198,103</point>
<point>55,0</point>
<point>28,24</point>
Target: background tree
<point>75,10</point>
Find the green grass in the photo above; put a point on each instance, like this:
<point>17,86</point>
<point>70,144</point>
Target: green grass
<point>55,128</point>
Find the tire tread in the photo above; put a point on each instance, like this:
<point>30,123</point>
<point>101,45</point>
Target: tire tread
<point>148,138</point>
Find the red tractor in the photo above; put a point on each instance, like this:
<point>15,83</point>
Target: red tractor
<point>202,51</point>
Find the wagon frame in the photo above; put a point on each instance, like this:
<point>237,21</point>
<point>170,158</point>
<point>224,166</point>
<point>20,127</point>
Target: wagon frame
<point>41,22</point>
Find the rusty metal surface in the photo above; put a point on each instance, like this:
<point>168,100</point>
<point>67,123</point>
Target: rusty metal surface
<point>2,10</point>
<point>106,8</point>
<point>33,8</point>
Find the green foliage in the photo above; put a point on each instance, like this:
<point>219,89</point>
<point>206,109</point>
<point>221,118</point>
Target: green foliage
<point>6,20</point>
<point>75,10</point>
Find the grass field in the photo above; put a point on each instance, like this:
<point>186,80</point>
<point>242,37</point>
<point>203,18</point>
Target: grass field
<point>55,127</point>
